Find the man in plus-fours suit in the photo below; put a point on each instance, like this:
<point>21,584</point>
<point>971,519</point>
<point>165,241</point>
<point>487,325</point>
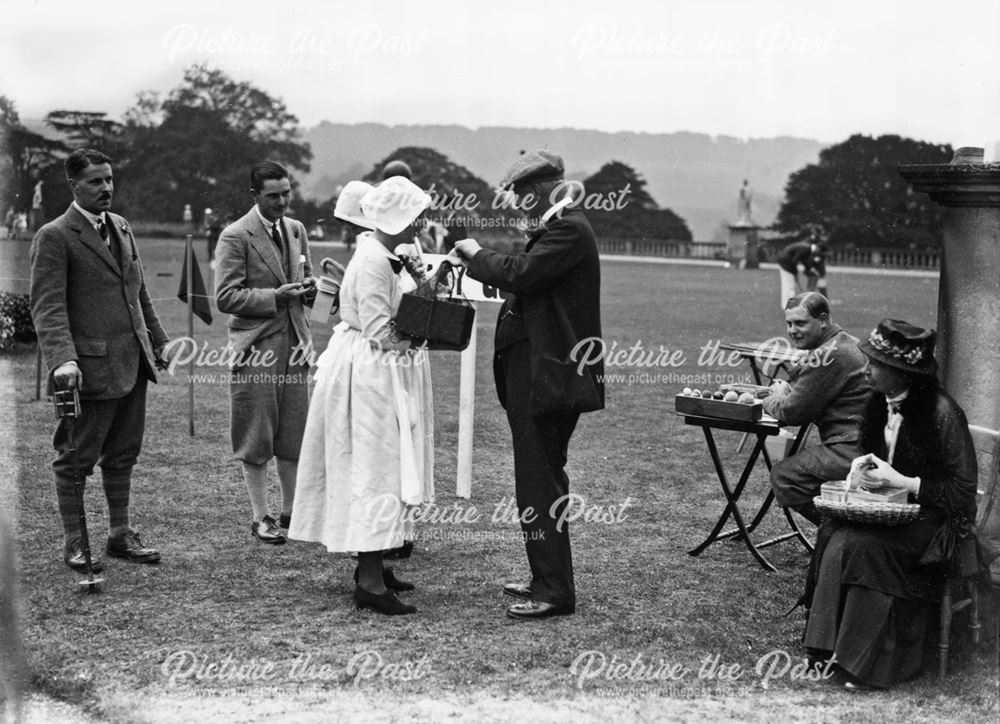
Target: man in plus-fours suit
<point>262,275</point>
<point>98,332</point>
<point>555,286</point>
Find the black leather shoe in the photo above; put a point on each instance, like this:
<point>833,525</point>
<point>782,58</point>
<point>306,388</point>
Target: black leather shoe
<point>538,609</point>
<point>74,558</point>
<point>395,554</point>
<point>285,520</point>
<point>386,603</point>
<point>858,687</point>
<point>267,530</point>
<point>517,590</point>
<point>129,547</point>
<point>390,581</point>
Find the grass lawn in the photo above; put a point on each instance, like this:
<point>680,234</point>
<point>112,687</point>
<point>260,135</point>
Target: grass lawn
<point>279,624</point>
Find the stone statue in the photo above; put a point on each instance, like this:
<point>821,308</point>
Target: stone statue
<point>743,212</point>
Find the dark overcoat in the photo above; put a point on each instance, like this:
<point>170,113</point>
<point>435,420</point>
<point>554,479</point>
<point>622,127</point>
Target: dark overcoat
<point>555,286</point>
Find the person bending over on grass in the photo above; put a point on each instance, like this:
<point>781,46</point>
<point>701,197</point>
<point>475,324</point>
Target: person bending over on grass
<point>802,267</point>
<point>827,387</point>
<point>871,586</point>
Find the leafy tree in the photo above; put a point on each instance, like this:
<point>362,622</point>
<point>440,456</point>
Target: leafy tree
<point>248,112</point>
<point>87,129</point>
<point>618,206</point>
<point>196,145</point>
<point>855,197</point>
<point>24,158</point>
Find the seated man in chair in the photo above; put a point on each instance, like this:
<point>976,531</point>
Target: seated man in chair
<point>827,388</point>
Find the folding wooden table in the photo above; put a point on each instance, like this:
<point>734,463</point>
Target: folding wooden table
<point>760,430</point>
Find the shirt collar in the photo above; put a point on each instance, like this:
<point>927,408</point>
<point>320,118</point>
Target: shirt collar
<point>268,224</point>
<point>94,219</point>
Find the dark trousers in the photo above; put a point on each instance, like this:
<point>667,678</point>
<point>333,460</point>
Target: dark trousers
<point>541,484</point>
<point>213,241</point>
<point>798,479</point>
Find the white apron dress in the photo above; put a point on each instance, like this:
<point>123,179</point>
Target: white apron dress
<point>368,447</point>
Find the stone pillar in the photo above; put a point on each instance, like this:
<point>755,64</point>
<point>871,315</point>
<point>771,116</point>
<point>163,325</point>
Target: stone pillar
<point>743,245</point>
<point>968,346</point>
<point>751,261</point>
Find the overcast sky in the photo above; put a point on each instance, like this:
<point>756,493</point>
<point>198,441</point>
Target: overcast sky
<point>756,68</point>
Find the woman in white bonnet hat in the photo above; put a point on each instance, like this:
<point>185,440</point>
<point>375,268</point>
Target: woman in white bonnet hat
<point>368,448</point>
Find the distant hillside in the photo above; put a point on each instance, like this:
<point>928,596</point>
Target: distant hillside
<point>696,175</point>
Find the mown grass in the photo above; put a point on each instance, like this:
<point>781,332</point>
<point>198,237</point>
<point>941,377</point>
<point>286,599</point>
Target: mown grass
<point>218,593</point>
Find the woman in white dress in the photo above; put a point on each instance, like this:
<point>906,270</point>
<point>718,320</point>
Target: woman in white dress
<point>368,448</point>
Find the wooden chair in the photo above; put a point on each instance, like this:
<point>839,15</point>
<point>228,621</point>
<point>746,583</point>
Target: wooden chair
<point>985,441</point>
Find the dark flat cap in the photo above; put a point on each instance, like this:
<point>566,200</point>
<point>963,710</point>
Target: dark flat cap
<point>533,166</point>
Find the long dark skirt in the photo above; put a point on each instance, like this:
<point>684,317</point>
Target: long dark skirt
<point>870,599</point>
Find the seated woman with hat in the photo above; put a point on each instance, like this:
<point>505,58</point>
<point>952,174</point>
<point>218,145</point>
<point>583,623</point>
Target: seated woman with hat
<point>368,448</point>
<point>871,587</point>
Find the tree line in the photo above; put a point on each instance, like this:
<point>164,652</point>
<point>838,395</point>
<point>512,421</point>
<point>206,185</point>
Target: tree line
<point>195,144</point>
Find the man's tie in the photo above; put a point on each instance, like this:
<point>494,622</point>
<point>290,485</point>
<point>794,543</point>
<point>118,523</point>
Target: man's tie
<point>102,229</point>
<point>276,235</point>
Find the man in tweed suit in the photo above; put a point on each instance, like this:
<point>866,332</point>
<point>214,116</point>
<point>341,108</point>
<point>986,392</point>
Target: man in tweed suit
<point>262,274</point>
<point>827,388</point>
<point>99,333</point>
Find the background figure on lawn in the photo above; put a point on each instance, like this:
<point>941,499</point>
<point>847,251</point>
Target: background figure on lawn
<point>368,450</point>
<point>872,587</point>
<point>826,388</point>
<point>263,273</point>
<point>556,290</point>
<point>20,227</point>
<point>99,333</point>
<point>801,268</point>
<point>213,227</point>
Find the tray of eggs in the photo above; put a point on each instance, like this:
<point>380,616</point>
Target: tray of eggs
<point>726,402</point>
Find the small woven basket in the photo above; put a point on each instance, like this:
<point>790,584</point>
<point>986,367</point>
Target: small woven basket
<point>869,513</point>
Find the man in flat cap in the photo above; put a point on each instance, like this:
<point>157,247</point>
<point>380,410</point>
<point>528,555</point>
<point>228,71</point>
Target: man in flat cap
<point>555,288</point>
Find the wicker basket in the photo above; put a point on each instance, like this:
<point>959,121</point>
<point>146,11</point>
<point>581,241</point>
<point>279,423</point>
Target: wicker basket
<point>869,513</point>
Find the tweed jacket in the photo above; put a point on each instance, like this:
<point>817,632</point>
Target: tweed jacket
<point>89,308</point>
<point>249,270</point>
<point>828,389</point>
<point>556,287</point>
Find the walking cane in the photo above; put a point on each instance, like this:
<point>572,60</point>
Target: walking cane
<point>67,404</point>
